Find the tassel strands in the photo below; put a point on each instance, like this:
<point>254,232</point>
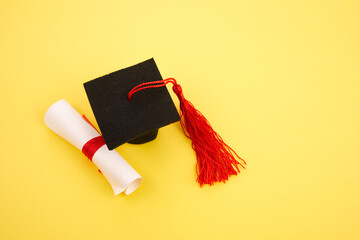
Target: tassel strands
<point>216,161</point>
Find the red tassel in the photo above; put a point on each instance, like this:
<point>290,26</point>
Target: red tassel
<point>216,161</point>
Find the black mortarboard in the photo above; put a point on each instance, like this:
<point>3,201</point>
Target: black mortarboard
<point>136,121</point>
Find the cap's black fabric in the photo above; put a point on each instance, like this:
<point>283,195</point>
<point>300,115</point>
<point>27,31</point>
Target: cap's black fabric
<point>145,137</point>
<point>136,121</point>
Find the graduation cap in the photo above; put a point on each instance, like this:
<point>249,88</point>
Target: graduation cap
<point>131,104</point>
<point>137,121</point>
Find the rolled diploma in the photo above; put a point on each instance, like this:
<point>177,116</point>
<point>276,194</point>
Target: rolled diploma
<point>65,121</point>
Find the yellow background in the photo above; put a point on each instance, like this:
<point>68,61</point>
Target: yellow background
<point>279,80</point>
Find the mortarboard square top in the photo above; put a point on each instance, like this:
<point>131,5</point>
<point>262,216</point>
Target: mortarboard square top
<point>136,121</point>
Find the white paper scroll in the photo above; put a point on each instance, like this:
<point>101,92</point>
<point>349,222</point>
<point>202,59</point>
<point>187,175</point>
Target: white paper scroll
<point>65,121</point>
